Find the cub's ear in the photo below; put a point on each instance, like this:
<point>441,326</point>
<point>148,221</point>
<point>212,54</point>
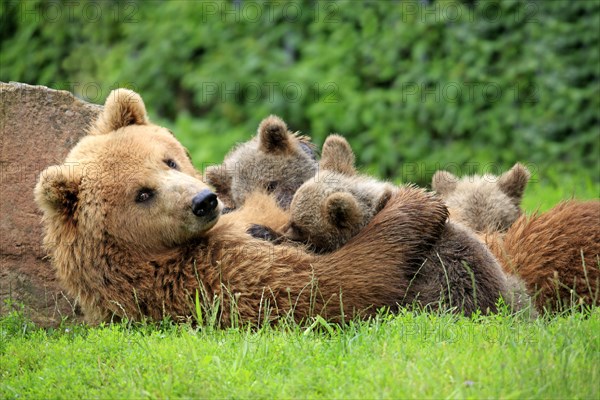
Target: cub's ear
<point>123,107</point>
<point>514,181</point>
<point>57,190</point>
<point>217,177</point>
<point>342,210</point>
<point>443,182</point>
<point>385,197</point>
<point>337,155</point>
<point>273,136</point>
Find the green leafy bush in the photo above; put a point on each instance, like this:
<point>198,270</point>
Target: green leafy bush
<point>473,86</point>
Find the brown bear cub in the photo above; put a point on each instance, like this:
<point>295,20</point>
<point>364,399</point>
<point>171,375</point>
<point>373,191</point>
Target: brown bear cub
<point>337,203</point>
<point>275,160</point>
<point>485,203</point>
<point>458,272</point>
<point>556,253</point>
<point>133,232</point>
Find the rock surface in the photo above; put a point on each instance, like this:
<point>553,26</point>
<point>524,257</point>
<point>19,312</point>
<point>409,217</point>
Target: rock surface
<point>38,126</point>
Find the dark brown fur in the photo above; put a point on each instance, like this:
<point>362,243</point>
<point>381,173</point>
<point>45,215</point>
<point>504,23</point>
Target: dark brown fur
<point>460,272</point>
<point>556,253</point>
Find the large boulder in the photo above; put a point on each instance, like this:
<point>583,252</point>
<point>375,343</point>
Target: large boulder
<point>38,126</point>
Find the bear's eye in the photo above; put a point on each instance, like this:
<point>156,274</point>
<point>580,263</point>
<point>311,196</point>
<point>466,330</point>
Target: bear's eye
<point>144,195</point>
<point>271,186</point>
<point>171,163</point>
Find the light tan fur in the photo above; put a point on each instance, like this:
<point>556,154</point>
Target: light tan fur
<point>123,107</point>
<point>276,160</point>
<point>337,155</point>
<point>125,254</point>
<point>259,208</point>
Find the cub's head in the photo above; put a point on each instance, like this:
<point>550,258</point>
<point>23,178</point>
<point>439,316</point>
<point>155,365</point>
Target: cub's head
<point>330,209</point>
<point>485,203</point>
<point>128,184</point>
<point>275,160</point>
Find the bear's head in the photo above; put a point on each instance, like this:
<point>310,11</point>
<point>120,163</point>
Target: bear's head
<point>275,160</point>
<point>487,203</point>
<point>128,184</point>
<point>330,209</point>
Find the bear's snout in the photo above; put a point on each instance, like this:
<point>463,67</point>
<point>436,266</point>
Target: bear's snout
<point>204,203</point>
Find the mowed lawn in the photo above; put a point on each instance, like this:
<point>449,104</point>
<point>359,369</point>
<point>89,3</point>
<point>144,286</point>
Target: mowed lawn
<point>411,355</point>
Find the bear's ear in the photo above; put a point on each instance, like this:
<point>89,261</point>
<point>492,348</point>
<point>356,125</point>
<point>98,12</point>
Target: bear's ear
<point>443,182</point>
<point>123,107</point>
<point>273,135</point>
<point>514,181</point>
<point>385,197</point>
<point>337,155</point>
<point>342,210</point>
<point>57,190</point>
<point>217,177</point>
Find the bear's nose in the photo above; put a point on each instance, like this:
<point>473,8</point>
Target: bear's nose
<point>204,202</point>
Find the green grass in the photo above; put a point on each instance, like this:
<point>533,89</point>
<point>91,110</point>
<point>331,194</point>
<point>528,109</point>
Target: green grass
<point>411,355</point>
<point>543,193</point>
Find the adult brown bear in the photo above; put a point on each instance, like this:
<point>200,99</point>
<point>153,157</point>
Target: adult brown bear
<point>133,231</point>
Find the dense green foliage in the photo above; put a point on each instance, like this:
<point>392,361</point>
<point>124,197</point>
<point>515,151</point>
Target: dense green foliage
<point>415,85</point>
<point>405,356</point>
